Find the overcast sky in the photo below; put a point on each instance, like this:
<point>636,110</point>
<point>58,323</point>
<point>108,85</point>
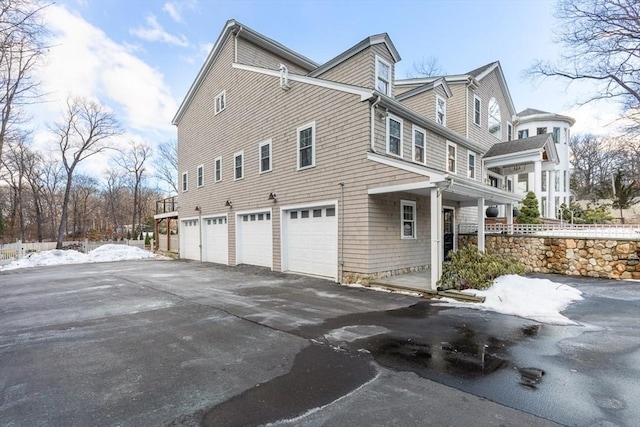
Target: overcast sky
<point>139,57</point>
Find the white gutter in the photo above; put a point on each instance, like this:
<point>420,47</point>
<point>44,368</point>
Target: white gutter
<point>373,124</point>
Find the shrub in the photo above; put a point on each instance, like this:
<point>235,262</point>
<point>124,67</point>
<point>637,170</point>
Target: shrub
<point>147,239</point>
<point>529,212</point>
<point>468,268</point>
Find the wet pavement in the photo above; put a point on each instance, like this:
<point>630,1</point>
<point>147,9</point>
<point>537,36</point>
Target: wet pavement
<point>185,344</point>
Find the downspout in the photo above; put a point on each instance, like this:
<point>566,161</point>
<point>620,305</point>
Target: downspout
<point>466,109</point>
<point>235,45</point>
<point>373,123</point>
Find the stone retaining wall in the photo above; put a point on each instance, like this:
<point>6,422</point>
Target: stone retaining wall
<point>605,258</point>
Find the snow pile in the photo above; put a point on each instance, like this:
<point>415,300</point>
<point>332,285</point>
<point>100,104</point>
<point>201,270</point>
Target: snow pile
<point>537,299</point>
<point>104,253</point>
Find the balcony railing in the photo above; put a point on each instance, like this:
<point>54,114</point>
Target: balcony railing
<point>167,205</point>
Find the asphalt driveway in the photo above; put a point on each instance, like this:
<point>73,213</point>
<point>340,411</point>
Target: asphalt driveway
<point>148,343</point>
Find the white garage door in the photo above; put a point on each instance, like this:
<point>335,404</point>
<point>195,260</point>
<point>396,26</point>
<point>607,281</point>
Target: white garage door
<point>190,239</point>
<point>254,242</point>
<point>310,237</point>
<point>215,241</point>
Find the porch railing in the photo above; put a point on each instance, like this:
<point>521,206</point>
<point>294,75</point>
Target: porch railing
<point>624,231</point>
<point>167,205</point>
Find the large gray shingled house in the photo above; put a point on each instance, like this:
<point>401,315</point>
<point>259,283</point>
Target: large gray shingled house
<point>339,170</point>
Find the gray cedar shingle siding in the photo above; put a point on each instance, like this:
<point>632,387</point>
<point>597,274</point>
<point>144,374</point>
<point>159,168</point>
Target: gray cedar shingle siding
<point>342,141</point>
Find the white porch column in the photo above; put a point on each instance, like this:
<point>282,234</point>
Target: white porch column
<point>481,224</point>
<point>509,215</point>
<point>537,181</point>
<point>551,198</point>
<point>436,237</point>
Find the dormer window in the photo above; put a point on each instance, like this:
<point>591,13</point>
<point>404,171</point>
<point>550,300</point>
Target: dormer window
<point>383,76</point>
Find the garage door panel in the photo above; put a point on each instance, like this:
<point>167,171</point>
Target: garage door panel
<point>190,241</point>
<point>255,243</point>
<point>310,237</point>
<point>215,240</point>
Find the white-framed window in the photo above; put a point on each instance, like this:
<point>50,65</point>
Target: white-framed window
<point>383,76</point>
<point>509,131</point>
<point>306,145</point>
<point>185,181</point>
<point>264,154</point>
<point>494,118</point>
<point>238,165</point>
<point>477,108</point>
<point>566,181</point>
<point>418,144</point>
<point>394,135</point>
<point>556,135</point>
<point>524,133</point>
<point>557,185</point>
<point>510,185</point>
<point>471,168</point>
<point>452,153</point>
<point>200,176</point>
<point>218,169</point>
<point>441,110</point>
<point>408,219</point>
<point>220,102</point>
<point>541,130</point>
<point>543,186</point>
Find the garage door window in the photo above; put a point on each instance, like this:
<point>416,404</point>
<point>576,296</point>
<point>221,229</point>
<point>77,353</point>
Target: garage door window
<point>331,211</point>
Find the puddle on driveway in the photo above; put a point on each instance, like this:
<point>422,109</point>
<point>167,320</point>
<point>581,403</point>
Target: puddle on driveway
<point>414,338</point>
<point>319,376</point>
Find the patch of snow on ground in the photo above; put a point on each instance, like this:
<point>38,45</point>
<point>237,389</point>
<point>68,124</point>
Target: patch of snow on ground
<point>382,289</point>
<point>104,253</point>
<point>537,299</point>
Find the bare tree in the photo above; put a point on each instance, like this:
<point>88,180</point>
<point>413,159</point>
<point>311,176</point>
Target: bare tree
<point>21,35</point>
<point>166,164</point>
<point>600,40</point>
<point>83,132</point>
<point>593,160</point>
<point>426,67</point>
<point>133,162</point>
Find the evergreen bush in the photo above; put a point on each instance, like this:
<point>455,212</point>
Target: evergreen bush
<point>529,212</point>
<point>468,268</point>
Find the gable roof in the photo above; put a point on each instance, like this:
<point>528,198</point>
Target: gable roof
<point>482,70</point>
<point>235,28</point>
<point>426,87</point>
<point>533,143</point>
<point>368,42</point>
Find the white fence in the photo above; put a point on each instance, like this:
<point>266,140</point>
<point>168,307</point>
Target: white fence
<point>603,231</point>
<point>171,245</point>
<point>14,251</point>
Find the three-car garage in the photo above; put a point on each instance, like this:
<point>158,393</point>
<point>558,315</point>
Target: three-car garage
<point>308,239</point>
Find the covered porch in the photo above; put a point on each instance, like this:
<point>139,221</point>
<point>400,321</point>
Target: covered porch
<point>448,197</point>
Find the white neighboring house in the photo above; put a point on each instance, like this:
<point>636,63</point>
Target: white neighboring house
<point>555,183</point>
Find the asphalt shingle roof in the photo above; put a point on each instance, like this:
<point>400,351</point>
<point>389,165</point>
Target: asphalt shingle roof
<point>480,70</point>
<point>518,145</point>
<point>531,111</point>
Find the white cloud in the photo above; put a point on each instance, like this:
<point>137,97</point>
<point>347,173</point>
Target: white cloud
<point>84,61</point>
<point>598,118</point>
<point>175,9</point>
<point>155,33</point>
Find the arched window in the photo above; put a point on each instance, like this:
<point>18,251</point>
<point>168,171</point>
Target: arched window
<point>495,119</point>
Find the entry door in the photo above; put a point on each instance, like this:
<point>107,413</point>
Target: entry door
<point>448,228</point>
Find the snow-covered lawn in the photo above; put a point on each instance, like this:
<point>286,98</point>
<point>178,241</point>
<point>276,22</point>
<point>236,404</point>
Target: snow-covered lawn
<point>104,253</point>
